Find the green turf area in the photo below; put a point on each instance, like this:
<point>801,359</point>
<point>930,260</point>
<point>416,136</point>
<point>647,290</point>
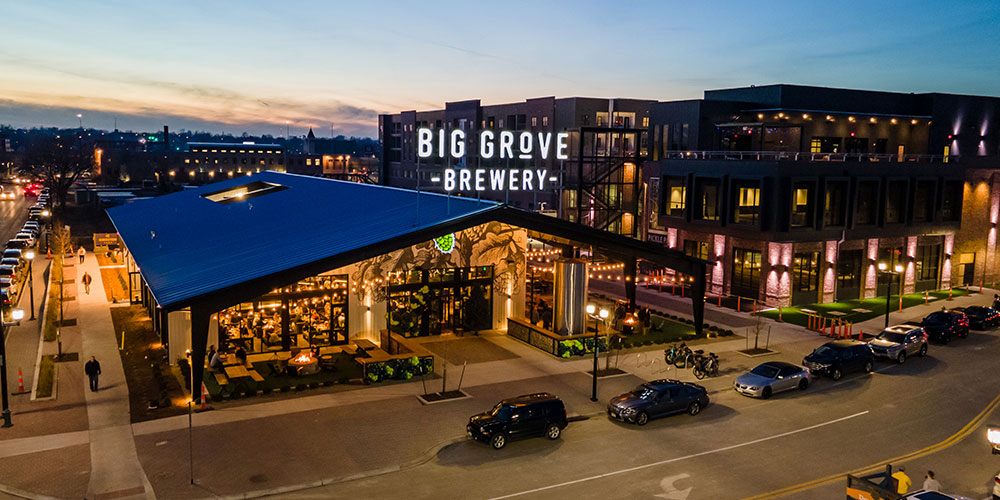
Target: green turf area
<point>875,305</point>
<point>46,376</point>
<point>662,330</point>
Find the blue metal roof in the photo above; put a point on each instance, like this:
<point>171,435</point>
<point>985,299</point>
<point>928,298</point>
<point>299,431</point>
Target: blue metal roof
<point>187,246</point>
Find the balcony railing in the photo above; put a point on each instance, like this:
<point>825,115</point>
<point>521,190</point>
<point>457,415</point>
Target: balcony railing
<point>818,157</point>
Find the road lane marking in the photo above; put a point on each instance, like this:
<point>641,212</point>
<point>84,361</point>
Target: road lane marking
<point>678,459</point>
<point>670,492</point>
<point>954,438</point>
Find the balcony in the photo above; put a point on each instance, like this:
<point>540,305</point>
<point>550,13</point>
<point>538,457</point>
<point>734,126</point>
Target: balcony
<point>810,157</point>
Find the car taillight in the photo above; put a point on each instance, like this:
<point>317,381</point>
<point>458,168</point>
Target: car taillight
<point>997,479</point>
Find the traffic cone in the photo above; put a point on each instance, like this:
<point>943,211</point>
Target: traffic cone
<point>48,253</point>
<point>20,382</point>
<point>204,392</point>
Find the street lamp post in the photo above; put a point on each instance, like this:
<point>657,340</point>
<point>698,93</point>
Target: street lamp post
<point>604,316</point>
<point>898,270</point>
<point>16,315</point>
<point>30,255</point>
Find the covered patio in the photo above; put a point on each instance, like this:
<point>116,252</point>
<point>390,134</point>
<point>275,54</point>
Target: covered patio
<point>278,265</point>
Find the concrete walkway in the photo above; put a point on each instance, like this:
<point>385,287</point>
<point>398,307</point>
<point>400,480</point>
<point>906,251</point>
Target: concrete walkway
<point>115,468</point>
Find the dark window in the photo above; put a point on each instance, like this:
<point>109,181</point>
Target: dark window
<point>782,138</point>
<point>951,201</point>
<point>805,271</point>
<point>802,204</point>
<point>867,203</point>
<point>836,196</point>
<point>849,269</point>
<point>895,202</point>
<point>746,271</point>
<point>697,249</point>
<point>928,257</point>
<point>746,206</point>
<point>881,145</point>
<point>824,145</point>
<point>857,145</point>
<point>708,199</point>
<point>675,196</point>
<point>923,202</point>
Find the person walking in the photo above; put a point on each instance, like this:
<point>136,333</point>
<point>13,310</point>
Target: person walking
<point>931,484</point>
<point>93,370</point>
<point>903,481</point>
<point>82,253</point>
<point>86,280</point>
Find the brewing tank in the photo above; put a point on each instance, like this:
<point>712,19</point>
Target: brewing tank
<point>570,297</point>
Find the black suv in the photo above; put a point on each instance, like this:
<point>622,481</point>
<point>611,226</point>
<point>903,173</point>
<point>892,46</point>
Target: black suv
<point>656,399</point>
<point>530,415</point>
<point>980,318</point>
<point>840,357</point>
<point>942,326</point>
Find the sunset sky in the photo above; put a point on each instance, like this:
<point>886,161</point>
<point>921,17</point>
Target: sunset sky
<point>252,66</point>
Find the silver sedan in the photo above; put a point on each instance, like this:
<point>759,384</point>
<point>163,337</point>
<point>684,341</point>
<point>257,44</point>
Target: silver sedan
<point>770,378</point>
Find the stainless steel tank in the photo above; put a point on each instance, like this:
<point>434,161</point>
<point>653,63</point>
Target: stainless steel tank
<point>570,297</point>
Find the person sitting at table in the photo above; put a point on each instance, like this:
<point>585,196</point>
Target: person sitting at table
<point>244,331</point>
<point>273,338</point>
<point>315,350</point>
<point>215,363</point>
<point>241,355</point>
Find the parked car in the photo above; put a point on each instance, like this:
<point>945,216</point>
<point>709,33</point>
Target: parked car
<point>5,297</point>
<point>839,357</point>
<point>19,244</point>
<point>530,415</point>
<point>980,318</point>
<point>658,398</point>
<point>996,486</point>
<point>11,261</point>
<point>942,326</point>
<point>28,237</point>
<point>33,225</point>
<point>900,341</point>
<point>771,378</point>
<point>10,272</point>
<point>13,253</point>
<point>933,495</point>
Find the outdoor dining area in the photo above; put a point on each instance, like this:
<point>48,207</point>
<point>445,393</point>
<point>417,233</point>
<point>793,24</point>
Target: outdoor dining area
<point>361,361</point>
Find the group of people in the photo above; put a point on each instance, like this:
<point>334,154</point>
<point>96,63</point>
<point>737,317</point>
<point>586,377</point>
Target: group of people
<point>215,362</point>
<point>903,482</point>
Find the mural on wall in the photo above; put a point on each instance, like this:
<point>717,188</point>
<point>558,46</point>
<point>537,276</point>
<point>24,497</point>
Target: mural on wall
<point>492,243</point>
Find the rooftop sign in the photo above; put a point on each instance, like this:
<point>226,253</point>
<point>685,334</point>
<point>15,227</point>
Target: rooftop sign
<point>505,145</point>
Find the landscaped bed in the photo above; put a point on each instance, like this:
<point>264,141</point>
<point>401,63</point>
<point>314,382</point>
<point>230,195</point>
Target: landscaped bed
<point>149,377</point>
<point>845,310</point>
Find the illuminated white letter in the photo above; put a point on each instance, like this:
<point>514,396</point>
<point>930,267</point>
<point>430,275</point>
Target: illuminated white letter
<point>449,180</point>
<point>541,178</point>
<point>480,179</point>
<point>513,179</point>
<point>524,145</point>
<point>544,141</point>
<point>463,179</point>
<point>506,141</point>
<point>424,146</point>
<point>457,143</point>
<point>486,144</point>
<point>496,179</point>
<point>526,180</point>
<point>441,143</point>
<point>562,146</point>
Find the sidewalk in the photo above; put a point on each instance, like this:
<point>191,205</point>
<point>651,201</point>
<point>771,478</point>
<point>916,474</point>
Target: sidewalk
<point>115,469</point>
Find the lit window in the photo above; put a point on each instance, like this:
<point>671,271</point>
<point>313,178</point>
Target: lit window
<point>545,121</point>
<point>187,160</point>
<point>534,121</point>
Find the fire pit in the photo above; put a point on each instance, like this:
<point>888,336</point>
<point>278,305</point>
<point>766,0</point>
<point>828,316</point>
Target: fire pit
<point>305,363</point>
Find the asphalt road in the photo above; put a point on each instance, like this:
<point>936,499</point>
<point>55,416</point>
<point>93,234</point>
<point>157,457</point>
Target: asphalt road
<point>738,447</point>
<point>13,213</point>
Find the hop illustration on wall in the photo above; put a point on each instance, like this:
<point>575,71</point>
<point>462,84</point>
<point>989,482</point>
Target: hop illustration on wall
<point>445,243</point>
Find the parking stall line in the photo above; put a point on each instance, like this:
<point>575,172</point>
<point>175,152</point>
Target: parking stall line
<point>678,459</point>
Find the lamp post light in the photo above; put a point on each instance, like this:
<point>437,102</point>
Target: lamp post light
<point>604,316</point>
<point>897,271</point>
<point>30,255</point>
<point>17,315</point>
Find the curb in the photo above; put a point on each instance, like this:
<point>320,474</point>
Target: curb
<point>10,490</point>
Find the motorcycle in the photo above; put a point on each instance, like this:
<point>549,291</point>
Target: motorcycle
<point>673,353</point>
<point>706,366</point>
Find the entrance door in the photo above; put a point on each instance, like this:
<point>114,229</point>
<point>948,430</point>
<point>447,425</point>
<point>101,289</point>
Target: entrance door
<point>968,271</point>
<point>135,287</point>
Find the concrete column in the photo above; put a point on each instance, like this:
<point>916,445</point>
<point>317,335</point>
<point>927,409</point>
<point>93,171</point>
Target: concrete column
<point>718,269</point>
<point>949,259</point>
<point>910,268</point>
<point>829,274</point>
<point>870,271</point>
<point>698,300</point>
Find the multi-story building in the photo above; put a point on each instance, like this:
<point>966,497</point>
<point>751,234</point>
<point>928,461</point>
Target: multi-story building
<point>797,193</point>
<point>595,181</point>
<point>800,193</point>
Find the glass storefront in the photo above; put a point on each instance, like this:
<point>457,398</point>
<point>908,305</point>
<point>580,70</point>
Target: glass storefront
<point>434,301</point>
<point>312,311</point>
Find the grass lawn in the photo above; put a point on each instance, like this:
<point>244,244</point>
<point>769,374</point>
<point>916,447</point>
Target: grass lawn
<point>875,305</point>
<point>46,376</point>
<point>662,330</point>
